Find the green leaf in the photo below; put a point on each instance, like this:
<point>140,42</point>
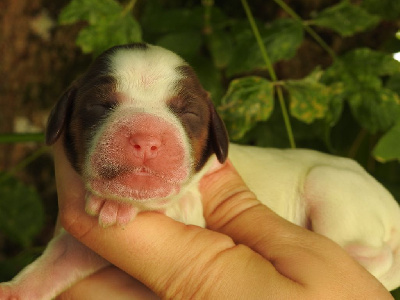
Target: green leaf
<point>375,107</point>
<point>376,110</point>
<point>308,98</point>
<point>335,106</point>
<point>248,100</point>
<point>21,211</point>
<point>359,68</point>
<point>113,30</point>
<point>386,9</point>
<point>108,24</point>
<point>281,39</point>
<point>221,48</point>
<point>345,18</point>
<point>367,61</point>
<point>88,10</point>
<point>388,147</point>
<point>394,83</point>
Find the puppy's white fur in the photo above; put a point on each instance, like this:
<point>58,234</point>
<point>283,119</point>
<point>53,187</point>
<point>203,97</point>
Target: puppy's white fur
<point>148,78</point>
<point>332,196</point>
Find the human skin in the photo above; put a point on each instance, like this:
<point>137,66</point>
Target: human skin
<point>246,252</point>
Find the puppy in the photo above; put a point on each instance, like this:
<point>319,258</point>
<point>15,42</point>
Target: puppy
<point>141,131</point>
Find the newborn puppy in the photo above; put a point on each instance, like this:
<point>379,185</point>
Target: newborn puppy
<point>141,131</point>
<point>138,128</point>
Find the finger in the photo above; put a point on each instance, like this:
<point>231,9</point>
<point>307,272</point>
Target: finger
<point>299,254</point>
<point>229,205</point>
<point>71,193</point>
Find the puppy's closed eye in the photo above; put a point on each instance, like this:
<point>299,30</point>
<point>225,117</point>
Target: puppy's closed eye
<point>99,109</point>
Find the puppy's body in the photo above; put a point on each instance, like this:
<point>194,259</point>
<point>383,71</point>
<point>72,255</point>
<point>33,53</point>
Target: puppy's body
<point>142,132</point>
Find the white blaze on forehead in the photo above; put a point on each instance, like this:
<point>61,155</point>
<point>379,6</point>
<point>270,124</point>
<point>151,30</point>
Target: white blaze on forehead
<point>145,80</point>
<point>146,76</point>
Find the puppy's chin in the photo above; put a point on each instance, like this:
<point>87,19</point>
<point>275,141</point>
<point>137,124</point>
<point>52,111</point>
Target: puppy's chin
<point>135,187</point>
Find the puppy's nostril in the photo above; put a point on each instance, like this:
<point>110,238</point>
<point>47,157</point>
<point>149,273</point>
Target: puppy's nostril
<point>153,148</point>
<point>137,147</point>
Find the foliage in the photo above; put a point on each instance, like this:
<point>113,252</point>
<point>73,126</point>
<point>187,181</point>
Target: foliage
<point>309,98</point>
<point>21,213</point>
<point>361,72</point>
<point>386,149</point>
<point>247,101</point>
<point>345,18</point>
<point>108,24</point>
<point>281,39</point>
<point>21,219</point>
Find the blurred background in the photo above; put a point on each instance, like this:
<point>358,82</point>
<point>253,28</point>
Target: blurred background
<point>305,73</point>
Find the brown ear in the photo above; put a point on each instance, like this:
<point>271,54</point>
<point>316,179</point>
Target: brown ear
<point>58,115</point>
<point>218,136</point>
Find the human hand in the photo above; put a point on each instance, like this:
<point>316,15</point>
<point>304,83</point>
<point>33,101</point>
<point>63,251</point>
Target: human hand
<point>247,251</point>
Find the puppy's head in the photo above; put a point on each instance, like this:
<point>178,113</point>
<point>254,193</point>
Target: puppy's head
<point>138,124</point>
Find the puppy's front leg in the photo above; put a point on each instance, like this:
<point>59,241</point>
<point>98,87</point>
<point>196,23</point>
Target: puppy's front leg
<point>64,262</point>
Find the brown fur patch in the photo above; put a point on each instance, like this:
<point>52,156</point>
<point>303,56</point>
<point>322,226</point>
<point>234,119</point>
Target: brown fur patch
<point>191,107</point>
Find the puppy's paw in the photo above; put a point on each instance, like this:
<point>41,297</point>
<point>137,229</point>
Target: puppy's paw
<point>383,262</point>
<point>377,260</point>
<point>110,212</point>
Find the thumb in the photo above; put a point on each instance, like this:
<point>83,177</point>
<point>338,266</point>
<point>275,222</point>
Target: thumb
<point>178,261</point>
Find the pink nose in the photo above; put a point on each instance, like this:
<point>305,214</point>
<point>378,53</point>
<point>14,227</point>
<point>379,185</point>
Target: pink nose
<point>144,146</point>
